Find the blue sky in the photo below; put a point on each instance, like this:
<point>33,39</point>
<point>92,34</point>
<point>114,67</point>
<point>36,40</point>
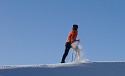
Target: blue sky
<point>34,31</point>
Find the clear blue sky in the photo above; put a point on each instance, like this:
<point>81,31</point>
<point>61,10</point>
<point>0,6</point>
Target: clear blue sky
<point>34,31</point>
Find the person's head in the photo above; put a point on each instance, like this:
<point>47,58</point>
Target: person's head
<point>75,27</point>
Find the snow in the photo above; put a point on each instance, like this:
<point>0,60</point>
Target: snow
<point>97,68</point>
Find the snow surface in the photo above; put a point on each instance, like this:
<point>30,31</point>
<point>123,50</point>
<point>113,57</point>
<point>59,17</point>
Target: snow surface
<point>104,68</point>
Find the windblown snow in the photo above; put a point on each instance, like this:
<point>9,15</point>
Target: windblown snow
<point>67,69</point>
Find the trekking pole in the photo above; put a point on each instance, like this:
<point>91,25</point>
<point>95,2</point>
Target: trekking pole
<point>72,56</point>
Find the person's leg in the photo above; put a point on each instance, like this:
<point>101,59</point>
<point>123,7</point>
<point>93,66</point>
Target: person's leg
<point>67,48</point>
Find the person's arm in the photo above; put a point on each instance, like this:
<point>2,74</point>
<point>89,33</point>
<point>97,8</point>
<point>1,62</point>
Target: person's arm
<point>74,36</point>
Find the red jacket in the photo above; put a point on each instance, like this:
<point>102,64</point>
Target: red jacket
<point>72,36</point>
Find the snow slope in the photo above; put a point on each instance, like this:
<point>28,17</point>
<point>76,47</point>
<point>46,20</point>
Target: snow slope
<point>67,69</point>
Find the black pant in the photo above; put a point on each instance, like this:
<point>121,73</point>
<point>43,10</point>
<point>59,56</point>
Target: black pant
<point>67,48</point>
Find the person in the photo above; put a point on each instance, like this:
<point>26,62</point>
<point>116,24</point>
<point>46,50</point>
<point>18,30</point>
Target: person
<point>70,39</point>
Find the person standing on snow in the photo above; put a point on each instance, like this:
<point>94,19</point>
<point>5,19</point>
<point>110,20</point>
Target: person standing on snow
<point>71,38</point>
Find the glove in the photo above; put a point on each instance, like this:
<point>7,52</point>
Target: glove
<point>78,40</point>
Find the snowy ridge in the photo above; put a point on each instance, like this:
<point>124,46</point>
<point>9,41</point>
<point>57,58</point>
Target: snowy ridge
<point>98,68</point>
<point>39,65</point>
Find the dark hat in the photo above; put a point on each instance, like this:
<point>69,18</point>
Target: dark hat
<point>75,26</point>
